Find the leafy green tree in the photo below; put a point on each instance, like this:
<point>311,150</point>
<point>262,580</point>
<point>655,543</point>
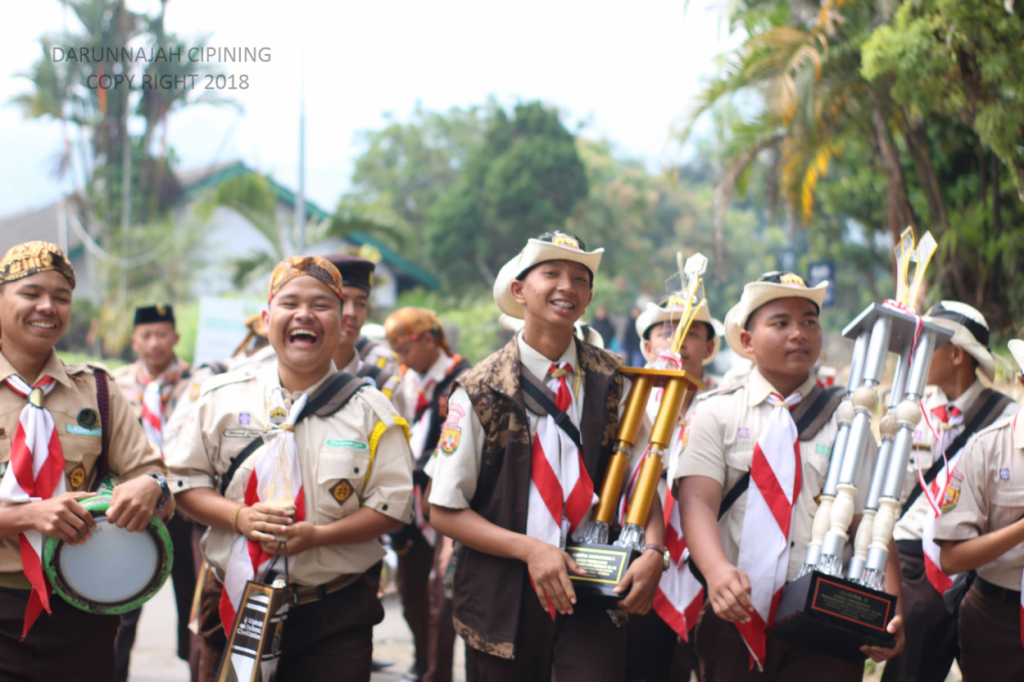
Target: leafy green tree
<point>524,178</point>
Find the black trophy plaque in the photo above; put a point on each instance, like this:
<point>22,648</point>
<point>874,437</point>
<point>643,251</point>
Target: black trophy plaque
<point>605,566</point>
<point>834,616</point>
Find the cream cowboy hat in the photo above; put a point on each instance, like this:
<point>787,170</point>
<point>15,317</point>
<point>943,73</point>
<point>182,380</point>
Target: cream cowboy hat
<point>549,246</point>
<point>970,332</point>
<point>584,332</point>
<point>767,288</point>
<point>1016,347</point>
<point>655,314</point>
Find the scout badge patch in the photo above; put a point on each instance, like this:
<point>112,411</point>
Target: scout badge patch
<point>451,431</point>
<point>951,496</point>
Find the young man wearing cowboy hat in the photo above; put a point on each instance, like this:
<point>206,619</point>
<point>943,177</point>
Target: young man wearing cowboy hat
<point>752,428</point>
<point>981,529</point>
<point>655,650</point>
<point>511,483</point>
<point>331,481</point>
<point>54,419</point>
<point>957,405</point>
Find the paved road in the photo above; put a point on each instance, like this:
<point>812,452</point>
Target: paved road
<point>155,660</point>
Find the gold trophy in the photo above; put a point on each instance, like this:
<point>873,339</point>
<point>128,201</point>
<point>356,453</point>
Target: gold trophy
<point>606,564</point>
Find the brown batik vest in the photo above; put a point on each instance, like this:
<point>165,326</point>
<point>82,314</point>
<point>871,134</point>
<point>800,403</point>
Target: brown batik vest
<point>488,589</point>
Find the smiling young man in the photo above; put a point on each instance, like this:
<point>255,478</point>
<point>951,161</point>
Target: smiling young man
<point>957,405</point>
<point>351,466</point>
<point>752,428</point>
<point>357,354</point>
<point>510,482</point>
<point>418,339</point>
<point>52,421</point>
<point>655,650</point>
<point>154,384</point>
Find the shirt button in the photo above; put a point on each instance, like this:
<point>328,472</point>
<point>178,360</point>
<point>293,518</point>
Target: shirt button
<point>383,507</point>
<point>792,543</point>
<point>356,470</point>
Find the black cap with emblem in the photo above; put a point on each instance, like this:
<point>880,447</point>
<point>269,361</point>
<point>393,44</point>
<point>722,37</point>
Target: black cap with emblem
<point>355,271</point>
<point>161,312</point>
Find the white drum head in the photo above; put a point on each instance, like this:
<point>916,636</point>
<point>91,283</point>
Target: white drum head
<point>113,566</point>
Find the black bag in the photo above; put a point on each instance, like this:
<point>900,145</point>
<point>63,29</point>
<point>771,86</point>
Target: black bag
<point>957,591</point>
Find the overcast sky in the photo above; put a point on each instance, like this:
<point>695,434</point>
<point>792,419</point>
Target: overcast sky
<point>630,71</point>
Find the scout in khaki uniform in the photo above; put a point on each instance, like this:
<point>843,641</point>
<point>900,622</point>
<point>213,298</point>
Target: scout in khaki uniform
<point>354,473</point>
<point>154,384</point>
<point>51,420</point>
<point>357,354</point>
<point>510,485</point>
<point>981,529</point>
<point>418,339</point>
<point>955,402</point>
<point>655,650</point>
<point>775,324</point>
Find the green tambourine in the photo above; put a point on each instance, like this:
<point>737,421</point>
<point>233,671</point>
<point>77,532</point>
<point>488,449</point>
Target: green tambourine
<point>115,570</point>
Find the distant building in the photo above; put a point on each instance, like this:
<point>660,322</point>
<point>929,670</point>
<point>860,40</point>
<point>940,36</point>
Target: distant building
<point>229,236</point>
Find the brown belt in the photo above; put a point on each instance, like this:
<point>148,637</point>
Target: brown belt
<point>1000,594</point>
<point>15,580</point>
<point>308,595</point>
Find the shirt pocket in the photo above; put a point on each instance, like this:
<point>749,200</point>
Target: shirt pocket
<point>80,455</point>
<point>340,476</point>
<point>1006,508</point>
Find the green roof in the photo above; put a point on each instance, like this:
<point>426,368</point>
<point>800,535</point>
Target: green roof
<point>218,174</point>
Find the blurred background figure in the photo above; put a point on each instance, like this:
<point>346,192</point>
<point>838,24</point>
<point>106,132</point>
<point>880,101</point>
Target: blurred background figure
<point>604,326</point>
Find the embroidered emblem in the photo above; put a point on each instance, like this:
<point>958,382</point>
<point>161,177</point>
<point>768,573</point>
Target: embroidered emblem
<point>823,449</point>
<point>77,477</point>
<point>88,418</point>
<point>278,413</point>
<point>193,393</point>
<point>244,418</point>
<point>791,278</point>
<point>451,432</point>
<point>951,496</point>
<point>354,444</point>
<point>743,432</point>
<point>565,240</point>
<point>76,430</point>
<point>341,491</point>
<point>1004,474</point>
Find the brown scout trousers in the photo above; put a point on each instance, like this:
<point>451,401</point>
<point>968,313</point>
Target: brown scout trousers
<point>583,647</point>
<point>654,652</point>
<point>70,644</point>
<point>329,639</point>
<point>412,579</point>
<point>930,630</point>
<point>724,658</point>
<point>441,629</point>
<point>990,646</point>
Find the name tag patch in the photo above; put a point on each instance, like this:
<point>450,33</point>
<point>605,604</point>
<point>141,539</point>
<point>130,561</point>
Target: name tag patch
<point>354,444</point>
<point>76,430</point>
<point>244,433</point>
<point>823,449</point>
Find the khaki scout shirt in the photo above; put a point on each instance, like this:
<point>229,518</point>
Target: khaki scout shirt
<point>357,457</point>
<point>200,376</point>
<point>911,525</point>
<point>454,476</point>
<point>986,493</point>
<point>719,444</point>
<point>125,378</point>
<point>131,454</point>
<point>411,388</point>
<point>385,359</point>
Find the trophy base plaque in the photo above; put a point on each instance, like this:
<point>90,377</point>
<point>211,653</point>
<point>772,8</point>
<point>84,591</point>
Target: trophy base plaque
<point>834,616</point>
<point>605,566</point>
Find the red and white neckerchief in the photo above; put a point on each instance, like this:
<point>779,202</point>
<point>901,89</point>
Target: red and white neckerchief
<point>561,491</point>
<point>275,476</point>
<point>680,596</point>
<point>764,547</point>
<point>154,393</point>
<point>35,472</point>
<point>951,424</point>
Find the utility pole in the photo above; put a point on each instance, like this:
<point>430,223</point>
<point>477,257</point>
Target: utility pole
<point>300,199</point>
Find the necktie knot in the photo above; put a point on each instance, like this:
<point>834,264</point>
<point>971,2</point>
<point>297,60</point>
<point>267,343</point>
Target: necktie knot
<point>790,402</point>
<point>559,371</point>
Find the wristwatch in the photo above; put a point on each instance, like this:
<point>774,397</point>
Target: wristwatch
<point>166,496</point>
<point>666,558</point>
